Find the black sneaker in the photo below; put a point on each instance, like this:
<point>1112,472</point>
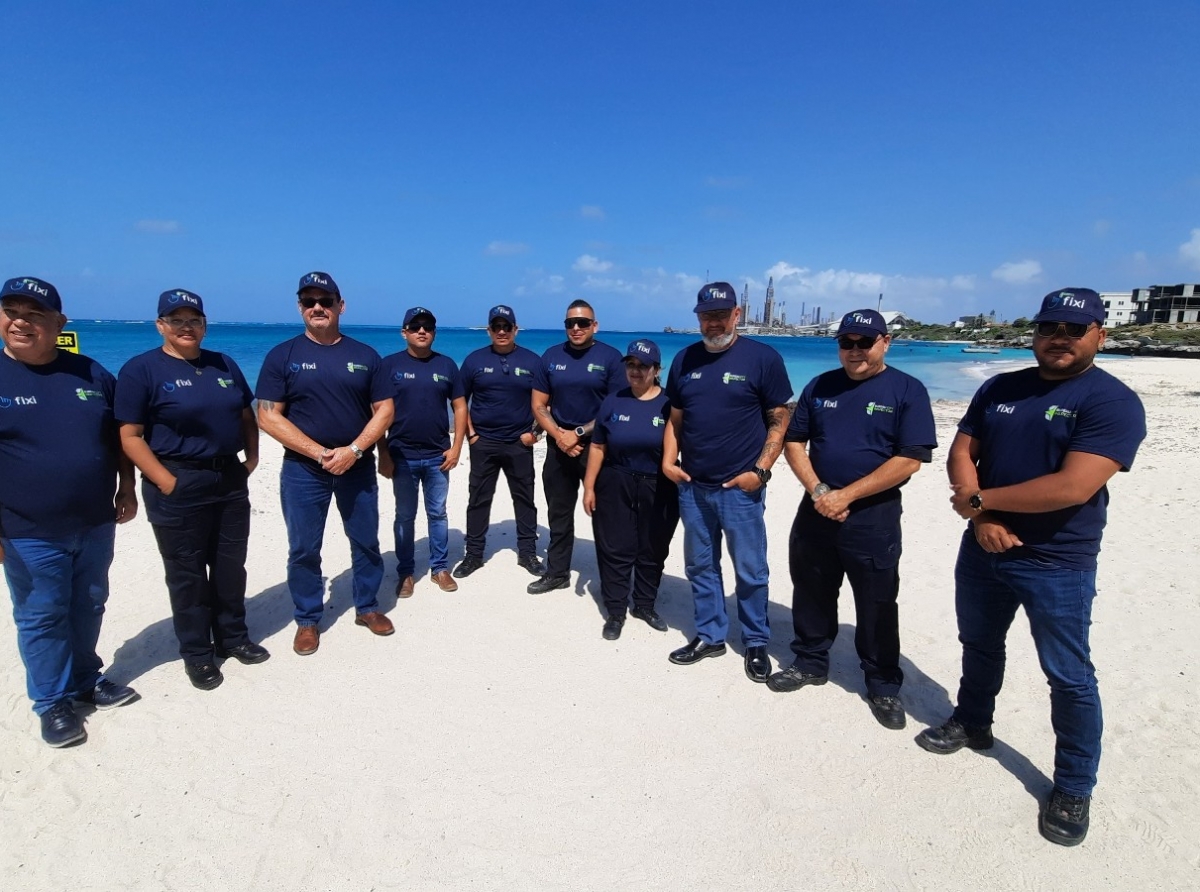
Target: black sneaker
<point>548,584</point>
<point>247,654</point>
<point>953,736</point>
<point>60,725</point>
<point>649,617</point>
<point>531,563</point>
<point>204,676</point>
<point>888,711</point>
<point>107,695</point>
<point>1065,818</point>
<point>468,565</point>
<point>612,628</point>
<point>793,678</point>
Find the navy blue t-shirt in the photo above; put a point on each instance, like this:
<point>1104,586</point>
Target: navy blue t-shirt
<point>1026,425</point>
<point>328,388</point>
<point>853,427</point>
<point>420,388</point>
<point>725,398</point>
<point>497,386</point>
<point>631,430</point>
<point>188,410</point>
<point>578,380</point>
<point>58,447</point>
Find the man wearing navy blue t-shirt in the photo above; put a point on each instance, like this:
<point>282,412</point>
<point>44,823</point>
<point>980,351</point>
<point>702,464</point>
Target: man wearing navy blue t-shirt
<point>496,381</point>
<point>60,465</point>
<point>419,451</point>
<point>569,385</point>
<point>1029,469</point>
<point>324,396</point>
<point>857,435</point>
<point>728,398</point>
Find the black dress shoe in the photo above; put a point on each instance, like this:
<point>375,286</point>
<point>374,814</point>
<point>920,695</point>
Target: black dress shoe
<point>758,664</point>
<point>696,650</point>
<point>548,584</point>
<point>612,628</point>
<point>107,695</point>
<point>531,563</point>
<point>468,565</point>
<point>888,711</point>
<point>793,678</point>
<point>649,617</point>
<point>953,736</point>
<point>246,653</point>
<point>60,725</point>
<point>204,676</point>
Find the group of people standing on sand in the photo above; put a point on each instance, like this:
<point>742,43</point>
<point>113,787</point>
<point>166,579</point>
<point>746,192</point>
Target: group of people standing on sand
<point>1028,469</point>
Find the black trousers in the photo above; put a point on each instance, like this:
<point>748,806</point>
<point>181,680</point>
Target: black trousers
<point>488,459</point>
<point>634,522</point>
<point>202,529</point>
<point>561,478</point>
<point>866,550</point>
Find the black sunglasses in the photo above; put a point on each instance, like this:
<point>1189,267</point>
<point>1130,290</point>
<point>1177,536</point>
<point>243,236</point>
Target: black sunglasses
<point>1074,330</point>
<point>579,322</point>
<point>504,364</point>
<point>848,343</point>
<point>309,302</point>
<point>414,327</point>
<point>500,326</point>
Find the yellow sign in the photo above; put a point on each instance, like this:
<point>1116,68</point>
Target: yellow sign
<point>68,341</point>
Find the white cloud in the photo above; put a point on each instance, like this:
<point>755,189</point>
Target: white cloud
<point>1189,251</point>
<point>157,226</point>
<point>505,249</point>
<point>538,281</point>
<point>1022,272</point>
<point>589,264</point>
<point>592,212</point>
<point>963,283</point>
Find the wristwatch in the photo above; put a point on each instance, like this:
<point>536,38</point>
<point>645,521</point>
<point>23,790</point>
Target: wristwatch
<point>763,474</point>
<point>976,501</point>
<point>358,453</point>
<point>820,489</point>
<point>580,432</point>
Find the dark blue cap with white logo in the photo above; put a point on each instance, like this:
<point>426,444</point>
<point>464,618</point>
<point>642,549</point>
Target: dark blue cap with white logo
<point>36,290</point>
<point>178,299</point>
<point>414,312</point>
<point>864,322</point>
<point>645,351</point>
<point>500,311</point>
<point>318,279</point>
<point>716,296</point>
<point>1072,305</point>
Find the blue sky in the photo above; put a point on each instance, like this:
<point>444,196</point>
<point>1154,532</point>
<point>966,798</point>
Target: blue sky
<point>957,157</point>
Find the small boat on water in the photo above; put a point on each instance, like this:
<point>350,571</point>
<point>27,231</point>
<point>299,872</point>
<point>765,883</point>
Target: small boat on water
<point>980,349</point>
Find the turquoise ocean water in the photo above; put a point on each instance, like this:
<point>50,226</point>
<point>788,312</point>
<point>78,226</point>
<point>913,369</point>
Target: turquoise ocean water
<point>946,371</point>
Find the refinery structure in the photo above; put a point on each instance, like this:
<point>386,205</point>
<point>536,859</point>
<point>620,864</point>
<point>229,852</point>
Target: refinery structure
<point>773,319</point>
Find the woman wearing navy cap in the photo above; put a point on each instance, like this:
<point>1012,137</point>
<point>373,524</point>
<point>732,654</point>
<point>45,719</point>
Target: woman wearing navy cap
<point>185,415</point>
<point>634,508</point>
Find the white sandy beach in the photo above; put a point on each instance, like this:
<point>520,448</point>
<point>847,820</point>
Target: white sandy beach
<point>497,742</point>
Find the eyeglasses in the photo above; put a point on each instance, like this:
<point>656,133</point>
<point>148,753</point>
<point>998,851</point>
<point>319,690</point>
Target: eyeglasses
<point>309,302</point>
<point>632,365</point>
<point>414,327</point>
<point>500,326</point>
<point>1073,330</point>
<point>856,343</point>
<point>579,322</point>
<point>715,315</point>
<point>178,322</point>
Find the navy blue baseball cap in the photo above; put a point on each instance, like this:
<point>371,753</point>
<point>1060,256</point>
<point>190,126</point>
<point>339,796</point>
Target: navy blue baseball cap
<point>716,296</point>
<point>500,311</point>
<point>863,322</point>
<point>414,312</point>
<point>644,350</point>
<point>36,290</point>
<point>318,279</point>
<point>178,299</point>
<point>1072,305</point>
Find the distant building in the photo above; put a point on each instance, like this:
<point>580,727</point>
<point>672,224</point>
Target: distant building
<point>768,318</point>
<point>1120,307</point>
<point>1168,303</point>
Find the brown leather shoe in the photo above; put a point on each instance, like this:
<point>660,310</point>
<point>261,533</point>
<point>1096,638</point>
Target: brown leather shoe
<point>376,622</point>
<point>308,639</point>
<point>445,581</point>
<point>404,588</point>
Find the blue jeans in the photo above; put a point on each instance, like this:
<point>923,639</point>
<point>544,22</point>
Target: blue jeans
<point>59,588</point>
<point>1058,603</point>
<point>707,513</point>
<point>304,492</point>
<point>427,474</point>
